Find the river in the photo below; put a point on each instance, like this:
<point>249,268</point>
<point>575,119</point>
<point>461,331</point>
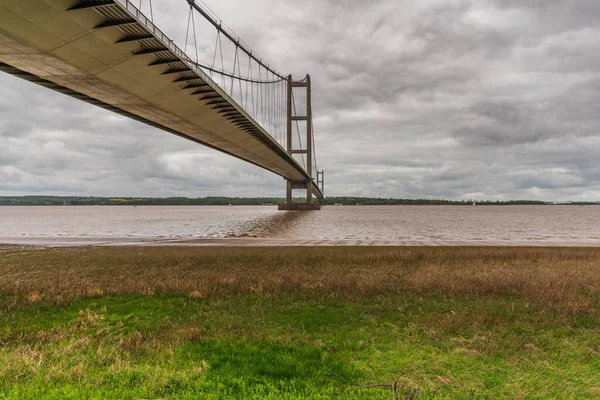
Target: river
<point>333,225</point>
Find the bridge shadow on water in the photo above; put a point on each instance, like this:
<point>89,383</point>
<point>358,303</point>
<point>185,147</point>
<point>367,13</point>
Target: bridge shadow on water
<point>279,225</point>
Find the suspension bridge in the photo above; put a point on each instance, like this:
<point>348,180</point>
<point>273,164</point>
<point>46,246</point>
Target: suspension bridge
<point>111,54</point>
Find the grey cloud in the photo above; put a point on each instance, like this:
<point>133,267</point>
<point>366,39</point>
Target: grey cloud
<point>505,123</point>
<point>472,98</point>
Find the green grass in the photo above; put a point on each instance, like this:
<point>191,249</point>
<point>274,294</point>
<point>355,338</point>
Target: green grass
<point>289,343</point>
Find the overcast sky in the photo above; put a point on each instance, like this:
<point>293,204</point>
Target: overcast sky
<point>485,99</point>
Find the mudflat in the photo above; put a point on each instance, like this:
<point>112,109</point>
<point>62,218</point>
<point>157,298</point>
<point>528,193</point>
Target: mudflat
<point>296,322</point>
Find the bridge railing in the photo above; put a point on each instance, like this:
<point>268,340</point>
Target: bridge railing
<point>130,7</point>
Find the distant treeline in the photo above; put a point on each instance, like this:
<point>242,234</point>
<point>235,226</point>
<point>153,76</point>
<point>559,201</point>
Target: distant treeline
<point>238,201</point>
<point>136,201</point>
<point>381,201</point>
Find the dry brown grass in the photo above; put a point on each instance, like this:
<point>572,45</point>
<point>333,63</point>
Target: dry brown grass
<point>563,278</point>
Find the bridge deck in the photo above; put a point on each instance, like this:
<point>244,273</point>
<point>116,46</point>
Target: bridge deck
<point>107,53</point>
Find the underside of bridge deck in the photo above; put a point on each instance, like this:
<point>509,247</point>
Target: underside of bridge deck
<point>105,52</point>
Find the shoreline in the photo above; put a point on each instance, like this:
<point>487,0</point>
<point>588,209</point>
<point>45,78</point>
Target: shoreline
<point>272,242</point>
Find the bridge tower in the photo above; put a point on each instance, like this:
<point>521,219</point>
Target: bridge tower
<point>321,184</point>
<point>304,116</point>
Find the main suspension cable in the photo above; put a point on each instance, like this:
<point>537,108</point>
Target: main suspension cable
<point>266,100</point>
<point>231,36</point>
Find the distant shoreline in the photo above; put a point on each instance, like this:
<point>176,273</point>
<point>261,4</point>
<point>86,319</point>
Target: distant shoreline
<point>273,205</point>
<point>252,201</point>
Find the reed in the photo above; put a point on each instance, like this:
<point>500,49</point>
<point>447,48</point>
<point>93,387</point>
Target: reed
<point>563,278</point>
<point>296,323</point>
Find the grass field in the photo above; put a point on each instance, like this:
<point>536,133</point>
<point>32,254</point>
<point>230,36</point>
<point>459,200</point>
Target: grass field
<point>278,323</point>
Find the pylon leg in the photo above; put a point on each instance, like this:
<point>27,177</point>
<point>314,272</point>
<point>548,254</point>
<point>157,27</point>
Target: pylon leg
<point>289,198</point>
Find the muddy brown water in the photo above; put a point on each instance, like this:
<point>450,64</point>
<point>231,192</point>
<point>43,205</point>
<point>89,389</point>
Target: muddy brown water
<point>333,225</point>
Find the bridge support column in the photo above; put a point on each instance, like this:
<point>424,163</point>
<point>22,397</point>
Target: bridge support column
<point>293,116</point>
<point>321,184</point>
<point>289,198</point>
<point>309,153</point>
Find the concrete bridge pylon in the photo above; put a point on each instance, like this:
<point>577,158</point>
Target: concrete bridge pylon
<point>306,117</point>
